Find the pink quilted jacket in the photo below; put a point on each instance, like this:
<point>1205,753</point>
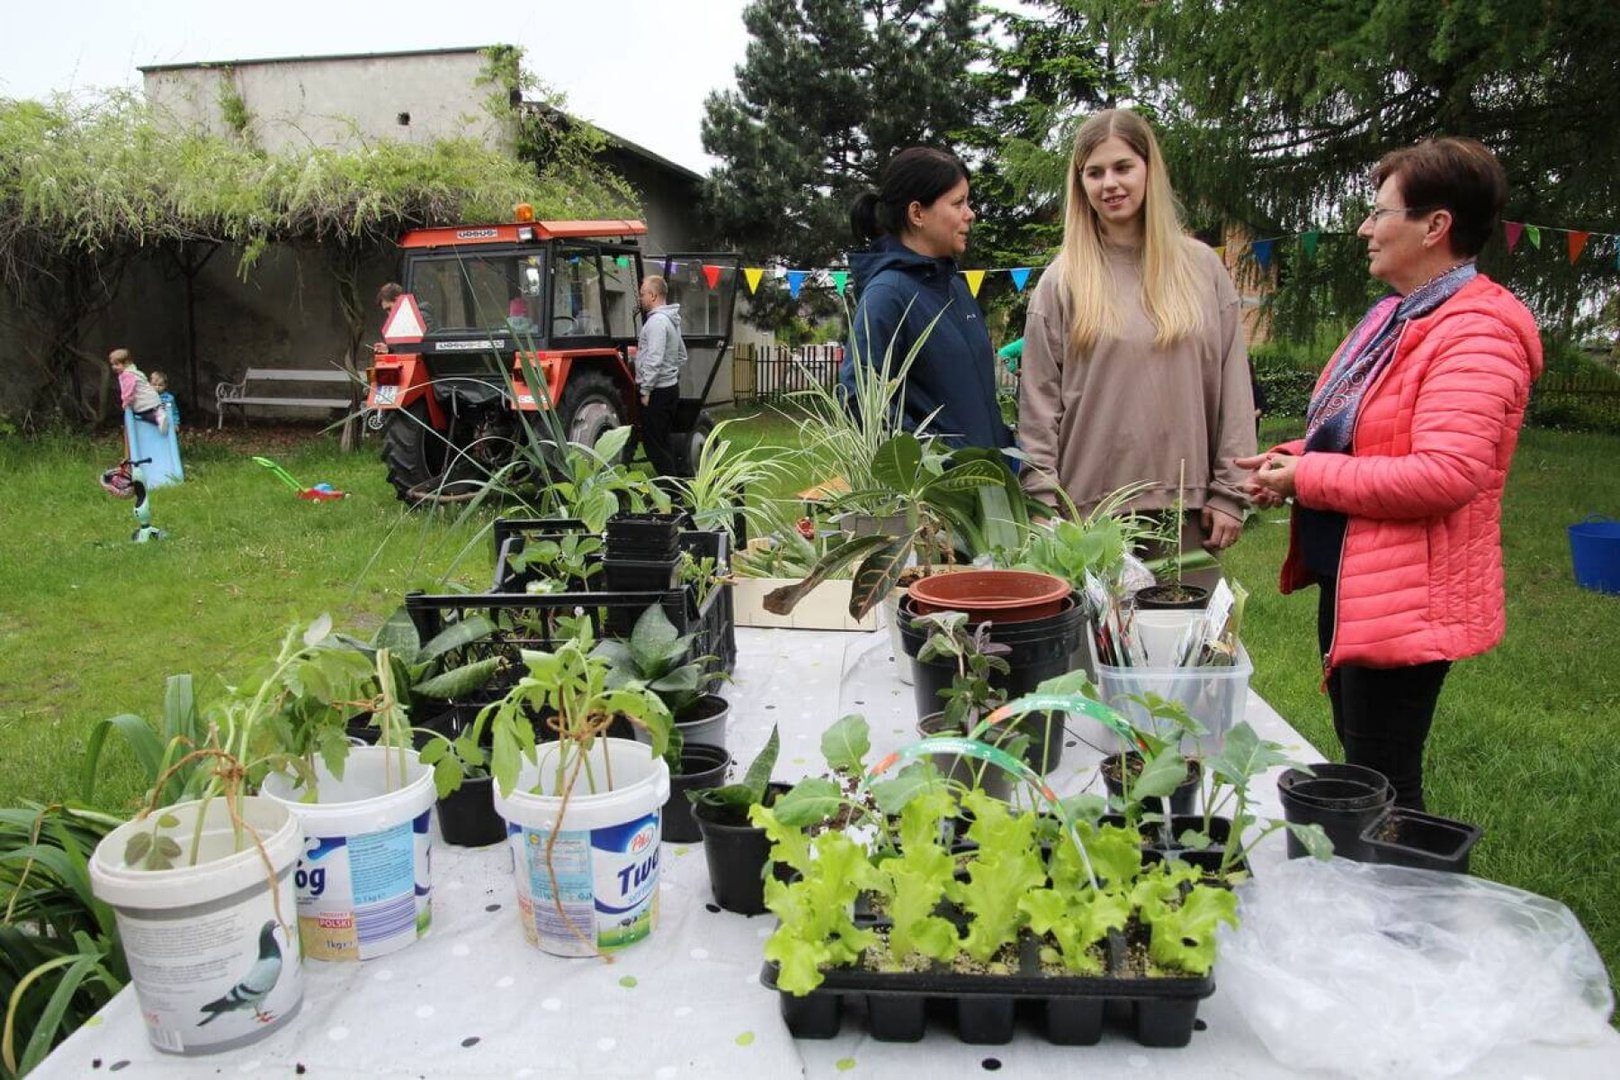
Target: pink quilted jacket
<point>1420,577</point>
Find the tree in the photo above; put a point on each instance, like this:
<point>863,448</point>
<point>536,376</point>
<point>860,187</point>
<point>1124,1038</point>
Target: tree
<point>829,91</point>
<point>1274,111</point>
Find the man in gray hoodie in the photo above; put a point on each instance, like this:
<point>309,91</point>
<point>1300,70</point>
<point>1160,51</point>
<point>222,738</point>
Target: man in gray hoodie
<point>660,355</point>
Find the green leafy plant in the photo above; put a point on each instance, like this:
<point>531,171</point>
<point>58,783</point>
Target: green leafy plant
<point>60,957</point>
<point>560,562</point>
<point>658,657</point>
<point>714,495</point>
<point>734,802</point>
<point>907,473</point>
<point>568,690</point>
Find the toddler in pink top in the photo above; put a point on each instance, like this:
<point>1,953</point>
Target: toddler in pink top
<point>134,392</point>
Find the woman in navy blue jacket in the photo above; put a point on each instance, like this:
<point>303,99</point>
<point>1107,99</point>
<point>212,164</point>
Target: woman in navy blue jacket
<point>916,224</point>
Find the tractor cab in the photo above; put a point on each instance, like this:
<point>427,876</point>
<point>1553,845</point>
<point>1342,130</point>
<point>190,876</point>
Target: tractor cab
<point>557,298</point>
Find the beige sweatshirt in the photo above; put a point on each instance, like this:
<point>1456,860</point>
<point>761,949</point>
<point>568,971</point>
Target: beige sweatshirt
<point>1130,410</point>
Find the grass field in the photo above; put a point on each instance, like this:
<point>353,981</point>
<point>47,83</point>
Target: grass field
<point>1526,743</point>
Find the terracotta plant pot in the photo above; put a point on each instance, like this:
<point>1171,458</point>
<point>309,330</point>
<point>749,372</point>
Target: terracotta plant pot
<point>1002,596</point>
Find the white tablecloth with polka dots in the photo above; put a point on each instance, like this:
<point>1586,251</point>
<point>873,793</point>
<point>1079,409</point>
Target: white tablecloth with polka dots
<point>472,999</point>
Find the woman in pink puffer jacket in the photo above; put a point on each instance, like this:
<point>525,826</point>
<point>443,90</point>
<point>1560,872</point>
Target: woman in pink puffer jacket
<point>1397,485</point>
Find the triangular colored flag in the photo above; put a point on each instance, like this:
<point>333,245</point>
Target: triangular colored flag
<point>840,280</point>
<point>1221,251</point>
<point>1262,253</point>
<point>752,274</point>
<point>1308,242</point>
<point>1020,275</point>
<point>975,278</point>
<point>1577,244</point>
<point>711,274</point>
<point>1514,230</point>
<point>1534,233</point>
<point>795,281</point>
<point>622,260</point>
<point>669,268</point>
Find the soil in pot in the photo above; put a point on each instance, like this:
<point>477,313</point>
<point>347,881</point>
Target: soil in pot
<point>736,853</point>
<point>1172,596</point>
<point>1405,837</point>
<point>701,767</point>
<point>1343,799</point>
<point>1182,800</point>
<point>1002,596</point>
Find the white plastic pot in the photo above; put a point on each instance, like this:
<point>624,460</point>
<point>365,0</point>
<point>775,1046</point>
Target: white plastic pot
<point>214,962</point>
<point>604,861</point>
<point>363,883</point>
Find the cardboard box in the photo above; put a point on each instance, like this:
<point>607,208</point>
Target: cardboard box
<point>825,608</point>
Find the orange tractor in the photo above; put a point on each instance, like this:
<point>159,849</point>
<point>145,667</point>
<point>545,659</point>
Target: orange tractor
<point>524,317</point>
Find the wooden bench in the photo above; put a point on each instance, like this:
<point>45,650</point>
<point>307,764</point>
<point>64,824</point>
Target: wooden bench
<point>238,393</point>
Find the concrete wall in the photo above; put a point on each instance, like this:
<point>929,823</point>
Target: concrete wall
<point>335,102</point>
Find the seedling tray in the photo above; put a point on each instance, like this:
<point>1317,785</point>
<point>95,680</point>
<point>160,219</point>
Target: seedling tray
<point>1068,1010</point>
<point>1425,841</point>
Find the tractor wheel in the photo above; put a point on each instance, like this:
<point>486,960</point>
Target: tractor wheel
<point>591,406</point>
<point>689,444</point>
<point>412,450</point>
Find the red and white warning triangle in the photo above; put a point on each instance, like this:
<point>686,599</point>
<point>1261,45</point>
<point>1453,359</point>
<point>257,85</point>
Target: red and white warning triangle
<point>404,325</point>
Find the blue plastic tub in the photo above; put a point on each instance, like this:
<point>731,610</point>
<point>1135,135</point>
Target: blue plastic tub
<point>1594,548</point>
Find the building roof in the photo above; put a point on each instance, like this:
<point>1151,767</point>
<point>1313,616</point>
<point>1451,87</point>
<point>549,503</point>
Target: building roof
<point>324,57</point>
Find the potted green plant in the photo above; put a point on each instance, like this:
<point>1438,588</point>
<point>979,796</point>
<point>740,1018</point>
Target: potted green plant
<point>655,655</point>
<point>971,658</point>
<point>570,800</point>
<point>735,849</point>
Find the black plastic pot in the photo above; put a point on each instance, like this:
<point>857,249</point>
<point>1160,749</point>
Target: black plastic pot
<point>643,536</point>
<point>1162,597</point>
<point>638,575</point>
<point>1040,649</point>
<point>1182,800</point>
<point>701,767</point>
<point>1343,799</point>
<point>1405,837</point>
<point>736,854</point>
<point>467,816</point>
<point>993,779</point>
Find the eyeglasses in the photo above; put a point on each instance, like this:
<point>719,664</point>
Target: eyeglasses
<point>1379,211</point>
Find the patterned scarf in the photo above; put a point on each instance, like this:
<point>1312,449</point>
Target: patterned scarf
<point>1331,417</point>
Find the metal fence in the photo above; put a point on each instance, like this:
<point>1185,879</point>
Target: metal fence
<point>766,373</point>
<point>1577,402</point>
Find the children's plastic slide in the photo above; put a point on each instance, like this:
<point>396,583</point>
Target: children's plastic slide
<point>146,441</point>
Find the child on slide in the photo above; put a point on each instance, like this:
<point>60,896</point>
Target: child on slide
<point>135,393</point>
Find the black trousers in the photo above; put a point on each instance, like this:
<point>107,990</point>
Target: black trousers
<point>1382,715</point>
<point>657,424</point>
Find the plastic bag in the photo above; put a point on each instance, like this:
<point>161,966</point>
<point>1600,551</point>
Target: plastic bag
<point>1378,971</point>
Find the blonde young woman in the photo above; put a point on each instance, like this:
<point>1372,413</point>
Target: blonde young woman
<point>1134,365</point>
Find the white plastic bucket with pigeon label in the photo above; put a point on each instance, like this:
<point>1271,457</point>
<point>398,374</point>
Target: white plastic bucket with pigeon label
<point>212,946</point>
<point>364,883</point>
<point>595,888</point>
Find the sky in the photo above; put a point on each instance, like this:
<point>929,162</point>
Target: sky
<point>638,68</point>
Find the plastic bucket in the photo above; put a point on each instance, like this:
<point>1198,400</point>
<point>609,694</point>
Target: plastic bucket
<point>195,934</point>
<point>363,883</point>
<point>1216,697</point>
<point>605,854</point>
<point>1594,549</point>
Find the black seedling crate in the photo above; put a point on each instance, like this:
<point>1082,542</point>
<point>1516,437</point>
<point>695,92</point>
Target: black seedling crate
<point>525,621</point>
<point>1068,1009</point>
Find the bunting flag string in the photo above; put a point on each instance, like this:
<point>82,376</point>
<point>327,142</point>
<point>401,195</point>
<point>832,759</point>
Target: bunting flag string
<point>1262,250</point>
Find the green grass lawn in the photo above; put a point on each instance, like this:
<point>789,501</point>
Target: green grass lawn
<point>1525,742</point>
